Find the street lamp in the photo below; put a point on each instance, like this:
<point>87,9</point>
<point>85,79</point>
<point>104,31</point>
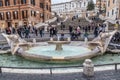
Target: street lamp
<point>100,6</point>
<point>19,9</point>
<point>20,21</point>
<point>116,13</point>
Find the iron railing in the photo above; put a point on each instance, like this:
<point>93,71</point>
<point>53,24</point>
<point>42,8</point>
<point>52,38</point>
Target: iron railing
<point>66,67</point>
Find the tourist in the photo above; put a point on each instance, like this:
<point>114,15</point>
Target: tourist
<point>51,31</point>
<point>26,32</point>
<point>70,29</point>
<point>36,31</point>
<point>19,32</point>
<point>89,28</point>
<point>74,35</point>
<point>61,25</point>
<point>96,31</point>
<point>55,31</point>
<point>8,30</point>
<point>86,29</point>
<point>13,30</point>
<point>41,32</point>
<point>100,28</point>
<point>78,31</point>
<point>62,36</point>
<point>86,35</point>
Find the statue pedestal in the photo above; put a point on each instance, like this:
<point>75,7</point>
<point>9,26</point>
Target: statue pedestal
<point>58,44</point>
<point>59,47</point>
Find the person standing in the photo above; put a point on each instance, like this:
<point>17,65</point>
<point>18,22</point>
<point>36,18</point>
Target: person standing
<point>70,29</point>
<point>19,32</point>
<point>41,32</point>
<point>78,31</point>
<point>55,31</point>
<point>96,31</point>
<point>26,32</point>
<point>86,35</point>
<point>36,31</point>
<point>51,31</point>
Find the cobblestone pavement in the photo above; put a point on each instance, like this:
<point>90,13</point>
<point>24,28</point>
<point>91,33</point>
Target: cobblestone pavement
<point>101,75</point>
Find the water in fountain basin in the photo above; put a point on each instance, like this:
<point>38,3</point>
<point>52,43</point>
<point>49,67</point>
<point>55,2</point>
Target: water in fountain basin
<point>16,61</point>
<point>50,51</point>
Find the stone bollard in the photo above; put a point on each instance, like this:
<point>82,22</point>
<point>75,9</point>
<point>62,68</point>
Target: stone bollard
<point>88,68</point>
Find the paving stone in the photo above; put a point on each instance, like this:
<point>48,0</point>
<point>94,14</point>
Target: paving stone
<point>101,75</point>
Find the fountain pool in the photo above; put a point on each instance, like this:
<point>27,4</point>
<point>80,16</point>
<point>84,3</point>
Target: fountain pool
<point>9,60</point>
<point>59,51</point>
<point>51,52</point>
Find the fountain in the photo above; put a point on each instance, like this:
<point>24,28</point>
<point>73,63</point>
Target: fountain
<point>59,50</point>
<point>58,43</point>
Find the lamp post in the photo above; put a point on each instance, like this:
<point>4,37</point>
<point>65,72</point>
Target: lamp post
<point>116,14</point>
<point>100,7</point>
<point>19,9</point>
<point>117,3</point>
<point>19,4</point>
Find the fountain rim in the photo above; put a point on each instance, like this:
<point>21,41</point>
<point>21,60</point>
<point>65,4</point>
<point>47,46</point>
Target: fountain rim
<point>36,57</point>
<point>58,42</point>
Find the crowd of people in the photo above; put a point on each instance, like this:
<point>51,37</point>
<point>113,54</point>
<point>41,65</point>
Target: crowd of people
<point>74,31</point>
<point>26,31</point>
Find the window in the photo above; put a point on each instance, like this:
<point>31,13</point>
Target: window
<point>41,5</point>
<point>15,2</point>
<point>113,1</point>
<point>50,9</point>
<point>24,14</point>
<point>108,14</point>
<point>108,3</point>
<point>8,15</point>
<point>1,16</point>
<point>84,3</point>
<point>72,5</point>
<point>23,1</point>
<point>47,7</point>
<point>112,12</point>
<point>15,14</point>
<point>7,2</point>
<point>33,13</point>
<point>1,3</point>
<point>41,15</point>
<point>33,2</point>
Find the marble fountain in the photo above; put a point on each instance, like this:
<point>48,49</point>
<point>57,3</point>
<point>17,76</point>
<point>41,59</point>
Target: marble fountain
<point>59,50</point>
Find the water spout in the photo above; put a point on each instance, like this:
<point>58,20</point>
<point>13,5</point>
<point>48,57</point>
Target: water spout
<point>34,40</point>
<point>58,38</point>
<point>86,40</point>
<point>68,39</point>
<point>51,39</point>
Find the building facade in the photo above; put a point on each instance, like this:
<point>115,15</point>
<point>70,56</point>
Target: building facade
<point>71,7</point>
<point>101,5</point>
<point>113,9</point>
<point>23,12</point>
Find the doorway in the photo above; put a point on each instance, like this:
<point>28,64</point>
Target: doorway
<point>9,24</point>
